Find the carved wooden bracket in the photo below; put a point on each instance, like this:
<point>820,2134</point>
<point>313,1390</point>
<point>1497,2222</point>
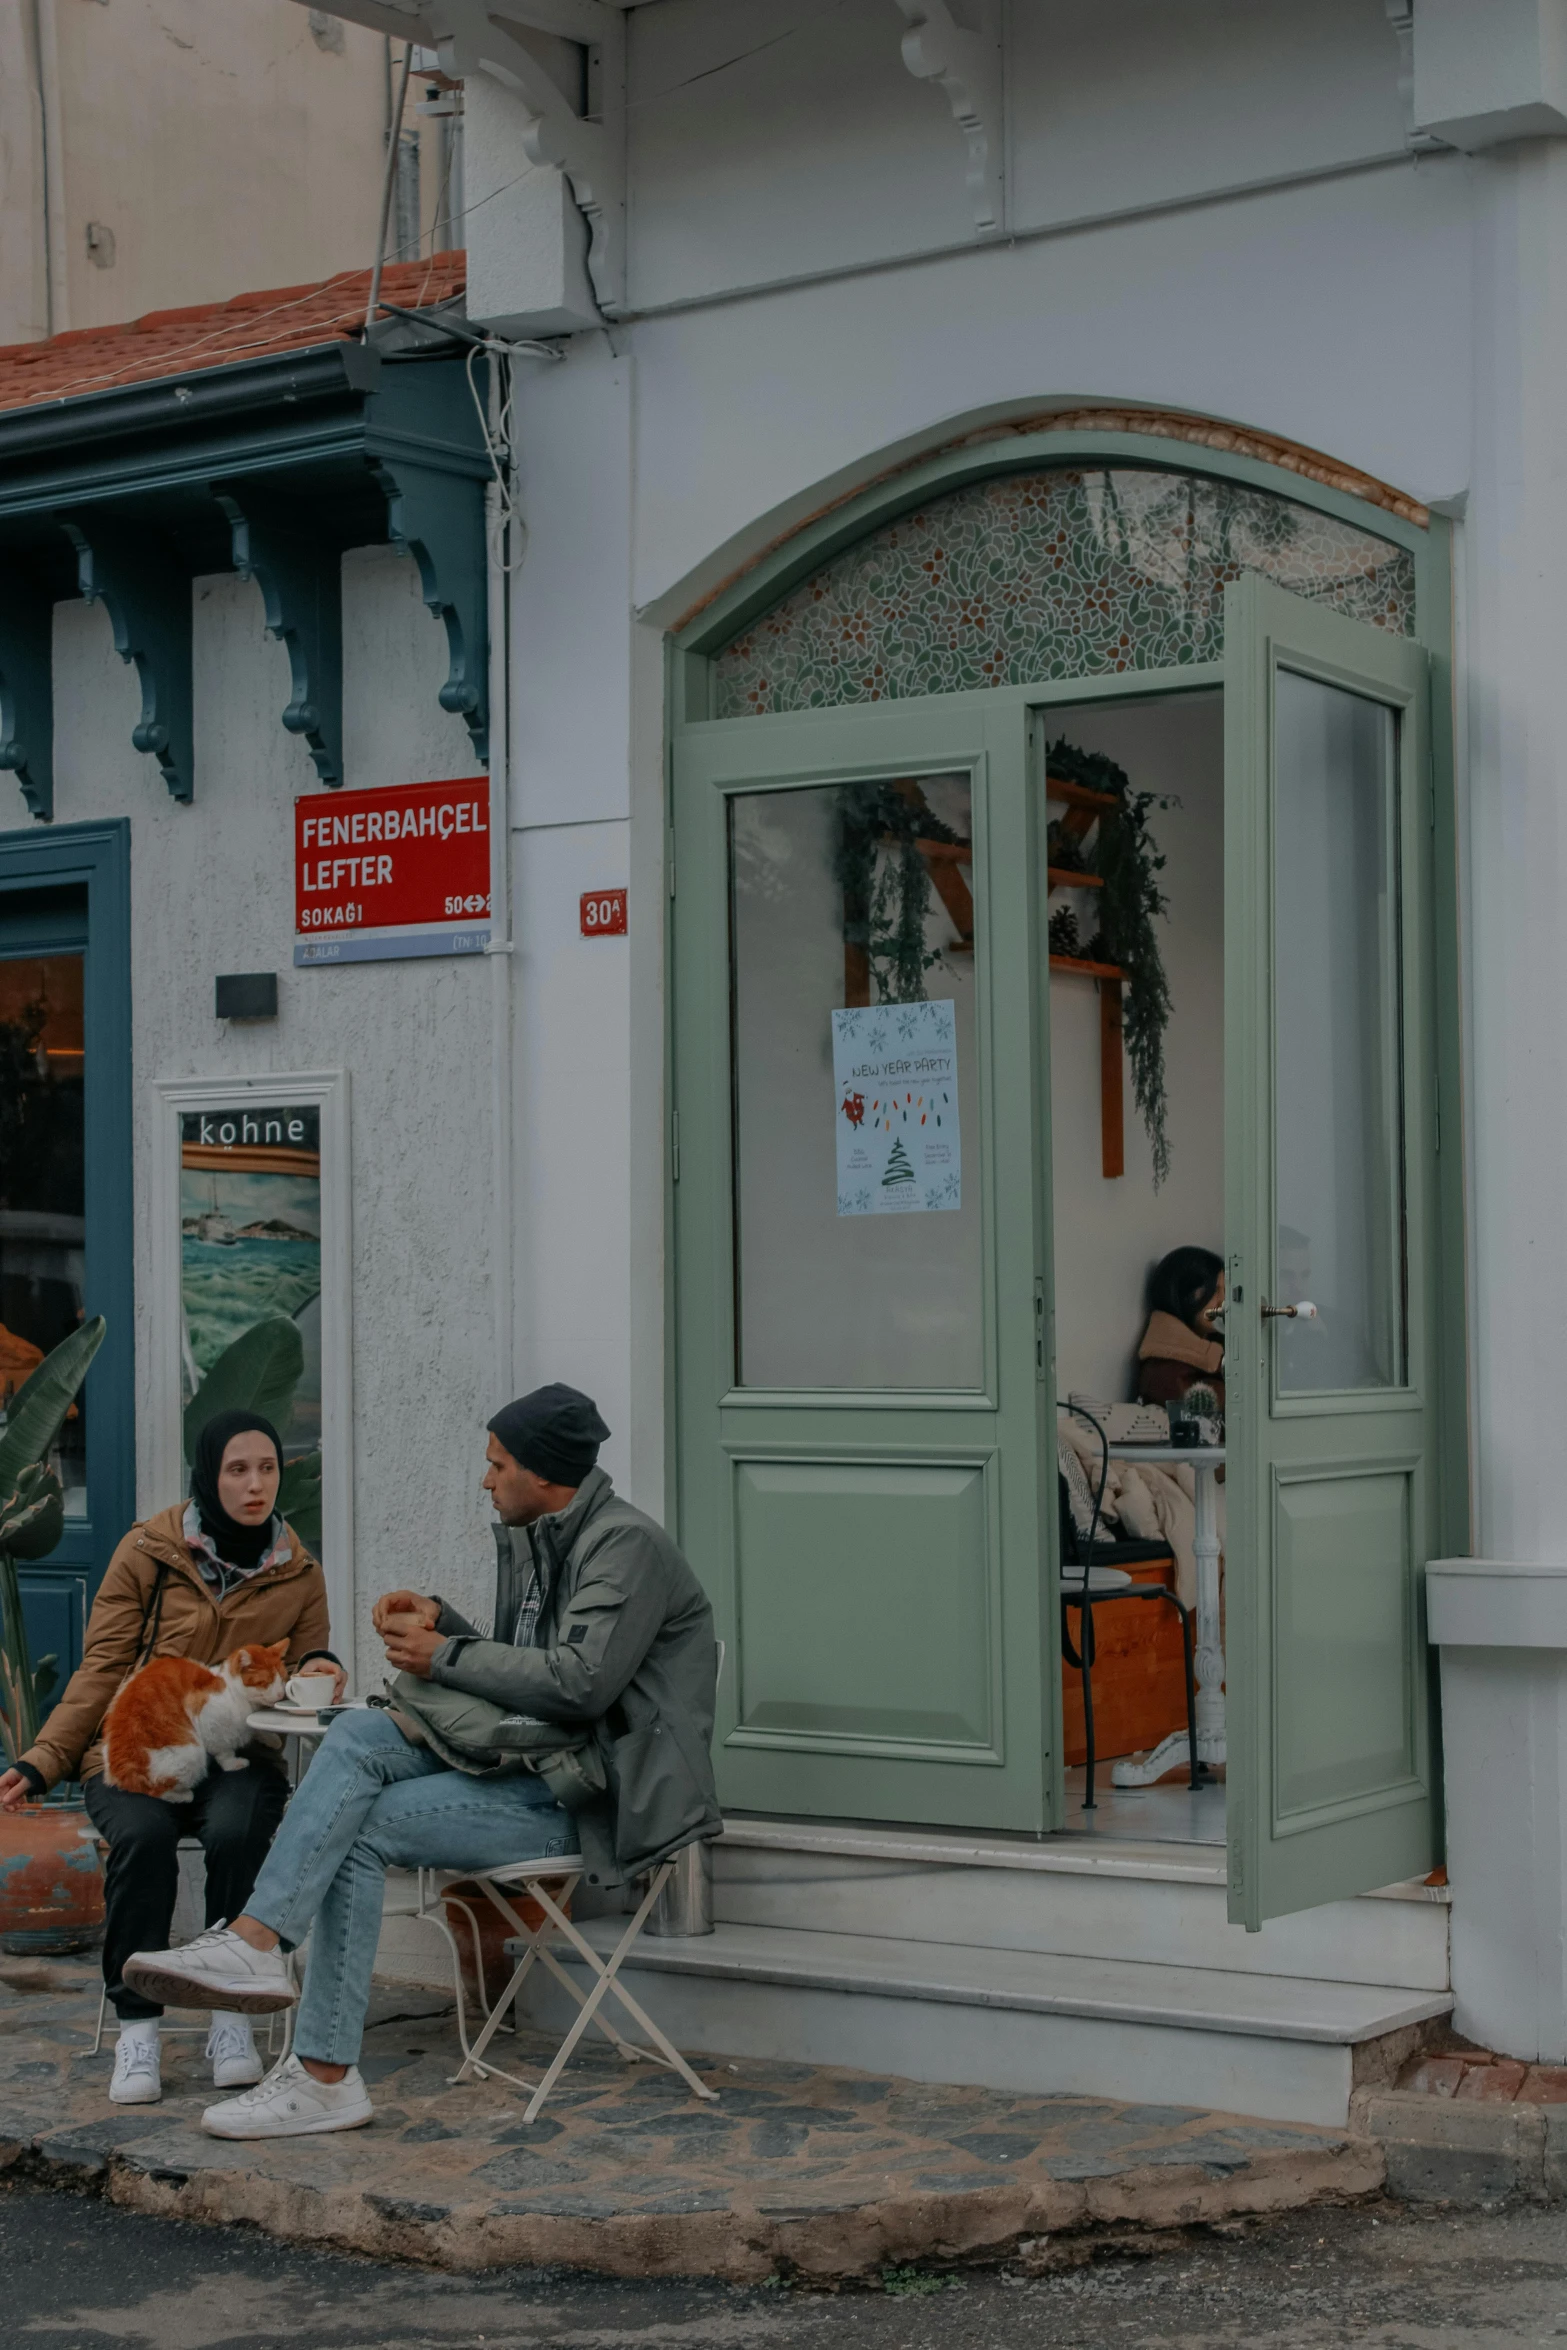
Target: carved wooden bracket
<point>561,57</point>
<point>300,578</point>
<point>444,533</point>
<point>128,568</point>
<point>966,65</point>
<point>27,686</point>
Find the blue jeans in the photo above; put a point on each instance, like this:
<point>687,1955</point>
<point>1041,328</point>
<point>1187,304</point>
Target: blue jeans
<point>370,1802</point>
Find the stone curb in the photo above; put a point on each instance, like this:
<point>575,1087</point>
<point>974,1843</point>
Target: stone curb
<point>171,2173</point>
<point>1443,2150</point>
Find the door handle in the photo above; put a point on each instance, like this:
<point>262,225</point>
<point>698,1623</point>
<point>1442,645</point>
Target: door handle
<point>1305,1312</point>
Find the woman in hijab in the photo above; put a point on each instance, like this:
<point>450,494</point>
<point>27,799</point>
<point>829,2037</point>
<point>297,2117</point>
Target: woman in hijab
<point>207,1576</point>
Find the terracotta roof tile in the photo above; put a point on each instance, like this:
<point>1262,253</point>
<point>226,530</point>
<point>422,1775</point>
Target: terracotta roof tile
<point>250,326</point>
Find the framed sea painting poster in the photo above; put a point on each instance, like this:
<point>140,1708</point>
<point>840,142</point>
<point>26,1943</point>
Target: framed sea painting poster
<point>253,1286</point>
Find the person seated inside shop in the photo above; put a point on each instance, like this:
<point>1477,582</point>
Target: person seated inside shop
<point>1183,1345</point>
<point>217,1572</point>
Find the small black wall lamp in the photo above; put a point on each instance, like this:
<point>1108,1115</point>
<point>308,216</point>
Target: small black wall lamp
<point>247,995</point>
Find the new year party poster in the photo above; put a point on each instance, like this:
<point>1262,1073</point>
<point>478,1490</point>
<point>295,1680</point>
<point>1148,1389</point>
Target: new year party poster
<point>895,1067</point>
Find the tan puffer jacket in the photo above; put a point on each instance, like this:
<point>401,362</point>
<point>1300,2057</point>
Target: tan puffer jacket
<point>284,1602</point>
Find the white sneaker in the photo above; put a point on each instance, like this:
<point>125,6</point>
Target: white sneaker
<point>216,1970</point>
<point>231,2045</point>
<point>138,2079</point>
<point>290,2104</point>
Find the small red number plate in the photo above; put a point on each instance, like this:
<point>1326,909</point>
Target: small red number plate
<point>603,913</point>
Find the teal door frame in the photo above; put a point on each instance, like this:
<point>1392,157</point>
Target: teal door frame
<point>58,888</point>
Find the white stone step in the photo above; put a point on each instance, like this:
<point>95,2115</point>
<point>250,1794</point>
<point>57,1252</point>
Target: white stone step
<point>1071,1896</point>
<point>1267,2045</point>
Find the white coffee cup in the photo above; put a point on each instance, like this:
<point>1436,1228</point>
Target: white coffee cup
<point>312,1690</point>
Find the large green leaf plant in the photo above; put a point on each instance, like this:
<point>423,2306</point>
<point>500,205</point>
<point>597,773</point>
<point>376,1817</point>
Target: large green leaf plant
<point>260,1372</point>
<point>32,1519</point>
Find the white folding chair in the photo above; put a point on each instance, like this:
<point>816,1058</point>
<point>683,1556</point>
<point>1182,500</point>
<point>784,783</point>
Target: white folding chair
<point>532,1946</point>
<point>433,1899</point>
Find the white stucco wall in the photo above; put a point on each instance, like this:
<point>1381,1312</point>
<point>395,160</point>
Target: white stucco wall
<point>572,633</point>
<point>1398,312</point>
<point>1307,311</point>
<point>665,454</point>
<point>212,891</point>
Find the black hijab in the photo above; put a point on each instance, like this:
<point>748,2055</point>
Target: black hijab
<point>237,1544</point>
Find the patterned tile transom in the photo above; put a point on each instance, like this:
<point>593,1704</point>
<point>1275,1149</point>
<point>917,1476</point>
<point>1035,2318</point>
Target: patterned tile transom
<point>1073,572</point>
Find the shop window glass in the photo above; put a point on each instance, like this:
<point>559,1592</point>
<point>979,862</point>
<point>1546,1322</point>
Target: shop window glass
<point>1072,572</point>
<point>857,1146</point>
<point>42,1212</point>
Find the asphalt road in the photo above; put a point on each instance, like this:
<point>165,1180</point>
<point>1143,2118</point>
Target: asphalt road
<point>79,2275</point>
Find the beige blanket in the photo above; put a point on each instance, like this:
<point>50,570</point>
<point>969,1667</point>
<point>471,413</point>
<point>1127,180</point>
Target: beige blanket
<point>1151,1501</point>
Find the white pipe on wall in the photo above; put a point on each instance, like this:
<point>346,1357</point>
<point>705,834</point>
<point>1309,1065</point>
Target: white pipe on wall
<point>46,50</point>
<point>502,1208</point>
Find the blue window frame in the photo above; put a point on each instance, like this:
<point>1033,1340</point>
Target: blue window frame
<point>67,892</point>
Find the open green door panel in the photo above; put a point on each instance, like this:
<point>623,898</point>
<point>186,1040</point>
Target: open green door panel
<point>1331,1222</point>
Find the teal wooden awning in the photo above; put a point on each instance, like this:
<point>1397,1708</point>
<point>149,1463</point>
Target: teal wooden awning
<point>271,467</point>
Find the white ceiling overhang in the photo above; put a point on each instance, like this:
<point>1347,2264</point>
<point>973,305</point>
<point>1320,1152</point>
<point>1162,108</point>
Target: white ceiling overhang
<point>535,48</point>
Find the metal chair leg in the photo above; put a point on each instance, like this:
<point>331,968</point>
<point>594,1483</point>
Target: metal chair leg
<point>607,1982</point>
<point>1197,1776</point>
<point>1088,1645</point>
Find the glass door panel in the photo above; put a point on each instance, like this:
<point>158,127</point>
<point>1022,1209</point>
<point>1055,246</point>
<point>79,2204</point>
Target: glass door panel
<point>857,1214</point>
<point>1330,1184</point>
<point>1337,1022</point>
<point>858,1204</point>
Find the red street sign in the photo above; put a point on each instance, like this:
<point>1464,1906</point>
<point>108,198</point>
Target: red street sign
<point>403,870</point>
<point>604,913</point>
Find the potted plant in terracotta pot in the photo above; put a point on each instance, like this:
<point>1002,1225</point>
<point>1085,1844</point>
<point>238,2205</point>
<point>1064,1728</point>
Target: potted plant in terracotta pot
<point>51,1889</point>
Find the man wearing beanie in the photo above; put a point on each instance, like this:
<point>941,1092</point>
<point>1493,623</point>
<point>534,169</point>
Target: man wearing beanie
<point>581,1723</point>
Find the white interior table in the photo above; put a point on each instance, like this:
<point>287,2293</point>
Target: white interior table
<point>1170,1753</point>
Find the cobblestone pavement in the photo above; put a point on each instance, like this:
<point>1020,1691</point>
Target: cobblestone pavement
<point>80,2275</point>
<point>800,2171</point>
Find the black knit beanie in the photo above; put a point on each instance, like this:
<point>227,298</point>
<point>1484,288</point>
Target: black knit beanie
<point>556,1432</point>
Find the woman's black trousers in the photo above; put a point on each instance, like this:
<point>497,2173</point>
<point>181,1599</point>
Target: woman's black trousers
<point>234,1814</point>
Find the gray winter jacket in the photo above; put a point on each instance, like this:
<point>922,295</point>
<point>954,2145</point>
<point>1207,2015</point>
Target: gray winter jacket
<point>624,1648</point>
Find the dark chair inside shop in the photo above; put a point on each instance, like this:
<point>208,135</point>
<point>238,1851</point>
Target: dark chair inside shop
<point>1095,1573</point>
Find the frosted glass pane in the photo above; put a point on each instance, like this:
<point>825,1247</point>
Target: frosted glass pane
<point>1339,1157</point>
<point>844,897</point>
<point>1070,571</point>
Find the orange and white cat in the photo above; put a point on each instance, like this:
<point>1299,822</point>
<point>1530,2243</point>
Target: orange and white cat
<point>174,1716</point>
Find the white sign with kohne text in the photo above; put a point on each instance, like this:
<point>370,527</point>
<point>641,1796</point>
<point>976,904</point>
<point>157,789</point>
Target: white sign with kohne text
<point>895,1067</point>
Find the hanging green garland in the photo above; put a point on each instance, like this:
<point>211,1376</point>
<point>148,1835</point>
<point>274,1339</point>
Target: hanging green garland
<point>886,884</point>
<point>887,896</point>
<point>1129,861</point>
